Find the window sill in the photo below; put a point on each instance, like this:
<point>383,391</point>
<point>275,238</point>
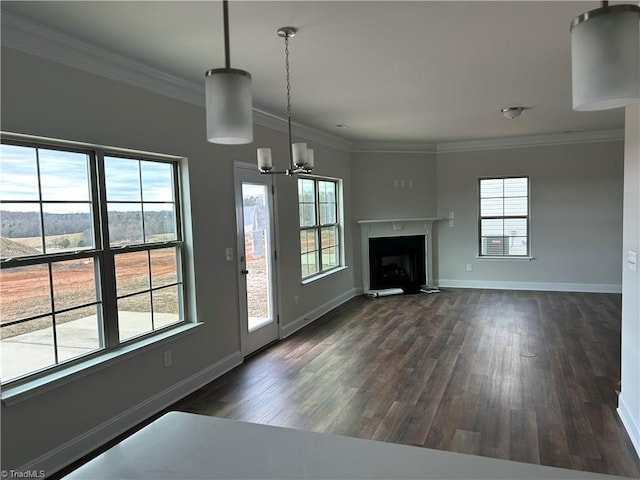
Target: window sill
<point>514,258</point>
<point>12,395</point>
<point>309,280</point>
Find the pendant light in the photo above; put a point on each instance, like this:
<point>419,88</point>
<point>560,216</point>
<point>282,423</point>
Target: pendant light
<point>605,57</point>
<point>300,157</point>
<point>228,99</point>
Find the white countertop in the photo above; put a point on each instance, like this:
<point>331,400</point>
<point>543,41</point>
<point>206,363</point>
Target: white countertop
<point>187,446</point>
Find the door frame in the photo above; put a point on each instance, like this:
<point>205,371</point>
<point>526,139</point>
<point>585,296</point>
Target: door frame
<point>245,348</point>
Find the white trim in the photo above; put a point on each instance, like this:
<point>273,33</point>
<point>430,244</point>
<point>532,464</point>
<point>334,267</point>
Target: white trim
<point>499,143</point>
<point>532,141</point>
<point>630,423</point>
<point>74,449</point>
<point>36,39</point>
<point>321,275</point>
<point>313,315</point>
<point>505,257</point>
<point>533,286</point>
<point>278,123</point>
<point>393,147</point>
<point>400,220</point>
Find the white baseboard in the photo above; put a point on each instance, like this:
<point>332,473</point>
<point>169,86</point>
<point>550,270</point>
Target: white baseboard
<point>535,286</point>
<point>630,423</point>
<point>74,449</point>
<point>316,313</point>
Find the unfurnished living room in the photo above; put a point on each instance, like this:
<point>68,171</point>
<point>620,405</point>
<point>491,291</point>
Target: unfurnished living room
<point>320,239</point>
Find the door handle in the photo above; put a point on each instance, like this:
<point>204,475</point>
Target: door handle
<point>244,271</point>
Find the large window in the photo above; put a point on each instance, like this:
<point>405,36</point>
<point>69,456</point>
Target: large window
<point>320,233</point>
<point>504,217</point>
<point>91,253</point>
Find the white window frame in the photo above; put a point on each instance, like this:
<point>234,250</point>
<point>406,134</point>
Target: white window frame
<point>317,228</point>
<point>103,256</point>
<point>527,217</point>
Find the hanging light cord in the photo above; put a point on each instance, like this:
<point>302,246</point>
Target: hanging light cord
<point>225,15</point>
<point>288,77</point>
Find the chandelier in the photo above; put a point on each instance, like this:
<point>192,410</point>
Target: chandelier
<point>300,157</point>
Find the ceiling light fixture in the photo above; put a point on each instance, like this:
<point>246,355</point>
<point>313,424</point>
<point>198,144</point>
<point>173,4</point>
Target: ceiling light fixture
<point>228,99</point>
<point>605,57</point>
<point>300,157</point>
<point>512,112</point>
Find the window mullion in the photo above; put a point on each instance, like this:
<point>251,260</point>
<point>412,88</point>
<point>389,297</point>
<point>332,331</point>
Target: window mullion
<point>318,229</point>
<point>40,205</point>
<point>150,279</point>
<point>53,313</point>
<point>106,261</point>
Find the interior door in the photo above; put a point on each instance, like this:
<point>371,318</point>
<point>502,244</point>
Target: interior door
<point>254,216</point>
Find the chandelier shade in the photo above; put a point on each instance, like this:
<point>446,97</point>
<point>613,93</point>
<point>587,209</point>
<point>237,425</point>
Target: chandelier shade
<point>228,101</point>
<point>299,154</point>
<point>605,58</point>
<point>229,106</point>
<point>264,159</point>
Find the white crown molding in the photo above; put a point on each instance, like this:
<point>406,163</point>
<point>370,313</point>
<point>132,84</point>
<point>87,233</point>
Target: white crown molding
<point>36,39</point>
<point>393,147</point>
<point>532,141</point>
<point>278,123</point>
<point>490,143</point>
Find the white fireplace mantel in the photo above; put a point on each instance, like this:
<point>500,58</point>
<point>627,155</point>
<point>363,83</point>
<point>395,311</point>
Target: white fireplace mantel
<point>396,227</point>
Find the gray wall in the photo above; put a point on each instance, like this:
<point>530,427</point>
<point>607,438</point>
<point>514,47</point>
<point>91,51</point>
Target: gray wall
<point>48,99</point>
<point>629,401</point>
<point>375,195</point>
<point>390,185</point>
<point>575,217</point>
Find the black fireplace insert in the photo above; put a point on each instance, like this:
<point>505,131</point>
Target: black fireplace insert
<point>397,262</point>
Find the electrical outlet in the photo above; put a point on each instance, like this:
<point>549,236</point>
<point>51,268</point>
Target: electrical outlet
<point>167,358</point>
<point>469,267</point>
<point>228,254</point>
<point>296,300</point>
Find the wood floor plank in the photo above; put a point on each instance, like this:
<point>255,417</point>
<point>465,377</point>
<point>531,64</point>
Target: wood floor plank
<point>526,376</point>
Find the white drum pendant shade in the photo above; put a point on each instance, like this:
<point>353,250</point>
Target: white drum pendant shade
<point>605,58</point>
<point>229,106</point>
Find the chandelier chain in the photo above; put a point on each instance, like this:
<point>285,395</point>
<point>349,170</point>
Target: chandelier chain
<point>286,63</point>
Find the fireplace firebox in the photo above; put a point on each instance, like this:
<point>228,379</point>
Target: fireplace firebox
<point>397,262</point>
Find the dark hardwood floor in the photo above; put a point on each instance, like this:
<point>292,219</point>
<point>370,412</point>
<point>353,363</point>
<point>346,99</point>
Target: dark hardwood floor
<point>525,376</point>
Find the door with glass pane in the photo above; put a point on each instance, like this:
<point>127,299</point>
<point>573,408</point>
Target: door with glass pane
<point>254,216</point>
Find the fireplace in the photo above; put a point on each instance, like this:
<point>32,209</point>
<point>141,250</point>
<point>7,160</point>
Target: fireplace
<point>397,262</point>
<point>396,253</point>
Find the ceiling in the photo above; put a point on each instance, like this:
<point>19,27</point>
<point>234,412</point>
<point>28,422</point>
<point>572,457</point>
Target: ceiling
<point>388,71</point>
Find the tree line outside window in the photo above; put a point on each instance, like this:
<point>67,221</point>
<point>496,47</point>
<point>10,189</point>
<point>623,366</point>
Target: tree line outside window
<point>91,253</point>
